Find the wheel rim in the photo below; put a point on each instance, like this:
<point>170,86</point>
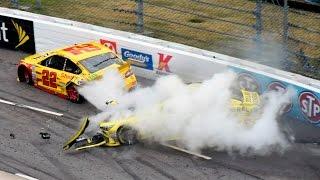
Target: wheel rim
<point>73,94</point>
<point>26,76</point>
<point>128,136</point>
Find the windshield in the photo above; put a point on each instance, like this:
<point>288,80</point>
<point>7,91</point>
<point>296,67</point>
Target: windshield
<point>100,61</point>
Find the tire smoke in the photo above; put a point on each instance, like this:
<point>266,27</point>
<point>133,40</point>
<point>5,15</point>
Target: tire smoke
<point>197,117</point>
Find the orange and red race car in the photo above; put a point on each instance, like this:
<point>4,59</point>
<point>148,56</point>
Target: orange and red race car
<point>60,71</point>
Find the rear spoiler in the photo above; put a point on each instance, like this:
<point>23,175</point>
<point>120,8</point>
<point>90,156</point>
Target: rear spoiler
<point>73,139</point>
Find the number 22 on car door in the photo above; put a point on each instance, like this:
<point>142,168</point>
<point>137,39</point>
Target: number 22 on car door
<point>49,73</point>
<point>49,78</point>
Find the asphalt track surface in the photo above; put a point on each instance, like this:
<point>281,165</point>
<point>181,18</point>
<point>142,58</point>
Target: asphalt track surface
<point>29,154</point>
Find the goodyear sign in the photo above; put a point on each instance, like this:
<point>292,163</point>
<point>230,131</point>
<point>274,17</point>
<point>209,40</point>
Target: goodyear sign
<point>137,58</point>
<point>17,34</point>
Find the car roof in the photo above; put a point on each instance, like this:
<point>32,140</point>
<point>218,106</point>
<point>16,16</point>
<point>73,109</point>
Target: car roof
<point>82,51</point>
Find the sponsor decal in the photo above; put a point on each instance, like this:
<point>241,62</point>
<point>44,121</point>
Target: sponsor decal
<point>110,44</point>
<point>163,63</point>
<point>66,76</point>
<point>82,48</point>
<point>137,58</point>
<point>17,34</point>
<point>248,82</point>
<point>310,106</point>
<point>280,87</point>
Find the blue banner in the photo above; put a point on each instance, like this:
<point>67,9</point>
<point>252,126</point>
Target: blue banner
<point>304,107</point>
<point>137,58</point>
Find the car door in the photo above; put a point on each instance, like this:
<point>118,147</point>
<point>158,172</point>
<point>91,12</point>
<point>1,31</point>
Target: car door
<point>70,71</point>
<point>48,73</point>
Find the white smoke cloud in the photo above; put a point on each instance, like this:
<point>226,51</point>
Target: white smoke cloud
<point>197,117</point>
<point>111,86</point>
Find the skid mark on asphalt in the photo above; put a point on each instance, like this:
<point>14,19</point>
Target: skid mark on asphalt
<point>159,156</point>
<point>14,163</point>
<point>98,155</point>
<point>314,169</point>
<point>124,165</point>
<point>139,159</point>
<point>237,169</point>
<point>55,162</point>
<point>103,151</point>
<point>196,163</point>
<point>127,159</point>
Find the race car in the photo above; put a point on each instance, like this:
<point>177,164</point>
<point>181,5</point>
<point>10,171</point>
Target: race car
<point>61,71</point>
<point>121,132</point>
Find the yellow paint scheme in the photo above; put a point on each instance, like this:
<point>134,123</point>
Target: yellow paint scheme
<point>109,129</point>
<point>75,53</point>
<point>241,107</point>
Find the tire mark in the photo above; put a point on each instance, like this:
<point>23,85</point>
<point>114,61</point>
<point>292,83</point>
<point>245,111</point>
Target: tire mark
<point>11,166</point>
<point>55,162</point>
<point>120,162</point>
<point>122,165</point>
<point>148,164</point>
<point>315,169</point>
<point>126,168</point>
<point>232,167</point>
<point>152,150</point>
<point>16,161</point>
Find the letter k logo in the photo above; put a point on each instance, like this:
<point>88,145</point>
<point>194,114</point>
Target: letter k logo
<point>163,62</point>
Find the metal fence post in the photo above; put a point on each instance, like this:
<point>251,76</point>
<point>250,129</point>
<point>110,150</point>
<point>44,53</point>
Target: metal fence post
<point>38,4</point>
<point>258,26</point>
<point>15,3</point>
<point>139,14</point>
<point>285,35</point>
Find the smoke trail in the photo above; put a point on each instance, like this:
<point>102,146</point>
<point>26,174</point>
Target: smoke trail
<point>197,117</point>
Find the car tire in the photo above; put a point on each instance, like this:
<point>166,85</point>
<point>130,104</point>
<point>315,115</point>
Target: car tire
<point>127,135</point>
<point>24,76</point>
<point>98,138</point>
<point>74,95</point>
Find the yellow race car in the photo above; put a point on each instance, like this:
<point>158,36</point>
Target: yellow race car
<point>60,71</point>
<point>120,132</point>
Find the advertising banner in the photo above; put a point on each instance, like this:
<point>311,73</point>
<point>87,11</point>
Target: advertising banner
<point>136,58</point>
<point>17,34</point>
<point>304,106</point>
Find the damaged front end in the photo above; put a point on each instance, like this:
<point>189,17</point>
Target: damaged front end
<point>84,143</point>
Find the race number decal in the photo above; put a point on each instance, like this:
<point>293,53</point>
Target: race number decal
<point>49,78</point>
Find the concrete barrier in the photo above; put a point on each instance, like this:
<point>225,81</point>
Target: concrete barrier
<point>154,57</point>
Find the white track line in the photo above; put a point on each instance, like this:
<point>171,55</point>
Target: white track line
<point>186,151</point>
<point>25,176</point>
<point>30,107</point>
